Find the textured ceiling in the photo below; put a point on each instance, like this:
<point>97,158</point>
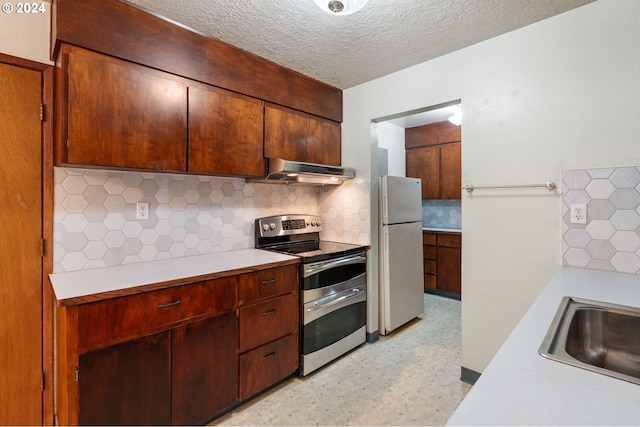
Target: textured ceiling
<point>344,51</point>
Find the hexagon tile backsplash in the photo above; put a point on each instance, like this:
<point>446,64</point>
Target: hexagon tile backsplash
<point>610,240</point>
<point>95,221</point>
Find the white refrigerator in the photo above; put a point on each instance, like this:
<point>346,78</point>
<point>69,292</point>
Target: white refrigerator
<point>400,249</point>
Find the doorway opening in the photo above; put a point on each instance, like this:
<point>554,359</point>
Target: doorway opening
<point>426,144</point>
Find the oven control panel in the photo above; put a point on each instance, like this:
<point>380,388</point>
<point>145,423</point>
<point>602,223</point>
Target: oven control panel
<point>282,225</point>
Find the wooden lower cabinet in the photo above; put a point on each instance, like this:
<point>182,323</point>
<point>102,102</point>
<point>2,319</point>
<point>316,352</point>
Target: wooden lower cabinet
<point>193,352</point>
<point>268,329</point>
<point>203,383</point>
<point>127,383</point>
<point>442,253</point>
<point>429,250</point>
<point>265,365</point>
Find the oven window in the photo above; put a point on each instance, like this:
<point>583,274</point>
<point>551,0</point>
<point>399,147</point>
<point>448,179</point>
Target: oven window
<point>333,276</point>
<point>332,327</point>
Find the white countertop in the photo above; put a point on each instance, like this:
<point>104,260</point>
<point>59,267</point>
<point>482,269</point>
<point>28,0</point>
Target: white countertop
<point>520,387</point>
<point>447,230</point>
<point>83,284</point>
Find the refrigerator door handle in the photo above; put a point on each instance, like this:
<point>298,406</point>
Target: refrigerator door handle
<point>386,242</point>
<point>385,209</point>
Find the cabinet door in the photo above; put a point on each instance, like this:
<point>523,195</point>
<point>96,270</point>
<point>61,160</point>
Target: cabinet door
<point>120,114</point>
<point>449,270</point>
<point>451,171</point>
<point>292,135</point>
<point>128,383</point>
<point>424,163</point>
<point>203,360</point>
<point>225,133</point>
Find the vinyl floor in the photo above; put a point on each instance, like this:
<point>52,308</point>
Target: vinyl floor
<point>409,377</point>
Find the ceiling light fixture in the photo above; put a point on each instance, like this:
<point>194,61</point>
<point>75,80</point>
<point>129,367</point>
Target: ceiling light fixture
<point>456,118</point>
<point>340,7</point>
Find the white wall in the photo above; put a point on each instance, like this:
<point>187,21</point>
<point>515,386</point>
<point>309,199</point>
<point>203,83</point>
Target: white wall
<point>559,94</point>
<point>391,137</point>
<point>26,35</point>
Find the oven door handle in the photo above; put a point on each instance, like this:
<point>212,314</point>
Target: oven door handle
<point>354,293</point>
<point>317,267</point>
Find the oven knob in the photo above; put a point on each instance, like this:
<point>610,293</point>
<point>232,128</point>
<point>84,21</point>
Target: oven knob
<point>318,223</point>
<point>265,227</point>
<point>272,225</point>
<point>313,222</point>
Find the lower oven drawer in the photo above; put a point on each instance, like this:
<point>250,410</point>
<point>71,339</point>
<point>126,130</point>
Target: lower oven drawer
<point>266,365</point>
<point>332,326</point>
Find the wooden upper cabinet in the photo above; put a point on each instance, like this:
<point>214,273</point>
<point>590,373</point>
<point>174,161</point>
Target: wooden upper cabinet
<point>424,163</point>
<point>432,134</point>
<point>293,135</point>
<point>434,154</point>
<point>118,114</point>
<point>451,171</point>
<point>225,133</point>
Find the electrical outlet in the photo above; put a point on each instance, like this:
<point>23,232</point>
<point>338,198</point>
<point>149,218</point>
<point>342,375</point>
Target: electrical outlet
<point>142,210</point>
<point>578,213</point>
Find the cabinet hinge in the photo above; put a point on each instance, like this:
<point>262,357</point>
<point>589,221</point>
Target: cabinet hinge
<point>76,372</point>
<point>42,112</point>
<point>42,389</point>
<point>43,245</point>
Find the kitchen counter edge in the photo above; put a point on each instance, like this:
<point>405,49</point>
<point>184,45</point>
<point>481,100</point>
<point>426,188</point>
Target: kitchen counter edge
<point>85,286</point>
<point>520,387</point>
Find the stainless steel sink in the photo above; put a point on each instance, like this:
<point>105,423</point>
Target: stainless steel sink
<point>598,336</point>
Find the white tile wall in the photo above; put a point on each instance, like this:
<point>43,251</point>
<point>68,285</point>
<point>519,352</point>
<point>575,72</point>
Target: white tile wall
<point>611,238</point>
<point>95,223</point>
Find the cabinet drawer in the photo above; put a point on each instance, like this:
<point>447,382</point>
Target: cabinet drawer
<point>450,240</point>
<point>430,281</point>
<point>429,252</point>
<point>429,266</point>
<point>266,365</point>
<point>265,321</point>
<point>428,238</point>
<point>267,283</point>
<point>108,320</point>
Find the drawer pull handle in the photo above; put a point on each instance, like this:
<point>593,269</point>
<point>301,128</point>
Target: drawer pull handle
<point>269,313</point>
<point>171,304</point>
<point>455,241</point>
<point>269,282</point>
<point>270,355</point>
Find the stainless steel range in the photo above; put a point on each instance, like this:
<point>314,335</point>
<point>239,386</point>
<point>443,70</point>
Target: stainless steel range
<point>333,285</point>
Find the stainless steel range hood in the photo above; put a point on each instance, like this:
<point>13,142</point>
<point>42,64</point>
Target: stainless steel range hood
<point>299,173</point>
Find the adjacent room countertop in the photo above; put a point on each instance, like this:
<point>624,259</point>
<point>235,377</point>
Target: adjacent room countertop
<point>76,287</point>
<point>520,387</point>
<point>442,230</point>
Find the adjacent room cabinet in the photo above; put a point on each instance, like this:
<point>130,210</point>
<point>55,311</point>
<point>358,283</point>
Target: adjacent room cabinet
<point>442,253</point>
<point>433,154</point>
<point>179,355</point>
<point>117,114</point>
<point>292,135</point>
